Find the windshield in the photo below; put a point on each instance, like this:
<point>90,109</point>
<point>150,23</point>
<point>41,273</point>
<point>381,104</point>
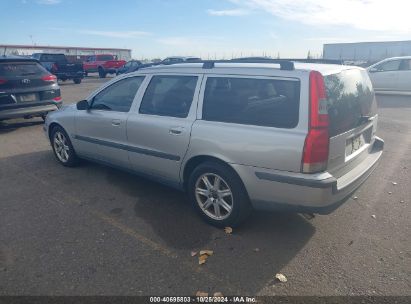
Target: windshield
<point>350,97</point>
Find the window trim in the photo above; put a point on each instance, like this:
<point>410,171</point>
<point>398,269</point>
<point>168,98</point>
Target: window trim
<point>301,105</point>
<point>91,98</point>
<point>192,110</point>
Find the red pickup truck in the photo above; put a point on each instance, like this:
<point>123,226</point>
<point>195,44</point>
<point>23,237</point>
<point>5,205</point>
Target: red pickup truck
<point>103,64</point>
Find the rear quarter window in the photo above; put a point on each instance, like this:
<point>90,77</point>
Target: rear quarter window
<point>250,101</point>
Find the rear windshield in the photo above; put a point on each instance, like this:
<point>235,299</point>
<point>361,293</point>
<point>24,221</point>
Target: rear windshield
<point>15,69</point>
<point>350,98</point>
<point>251,101</point>
<point>53,58</point>
<point>105,57</point>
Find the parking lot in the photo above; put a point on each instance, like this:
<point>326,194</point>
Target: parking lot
<point>94,230</point>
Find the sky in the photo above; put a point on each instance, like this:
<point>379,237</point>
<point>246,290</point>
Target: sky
<point>206,28</point>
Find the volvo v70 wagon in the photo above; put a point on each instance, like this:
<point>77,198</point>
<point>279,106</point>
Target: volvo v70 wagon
<point>233,135</point>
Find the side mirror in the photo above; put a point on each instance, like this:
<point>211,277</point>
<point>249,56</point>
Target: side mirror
<point>83,105</point>
<point>373,70</point>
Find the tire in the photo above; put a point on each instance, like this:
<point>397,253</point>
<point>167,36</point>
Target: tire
<point>102,73</point>
<point>68,159</point>
<point>77,80</point>
<point>209,199</point>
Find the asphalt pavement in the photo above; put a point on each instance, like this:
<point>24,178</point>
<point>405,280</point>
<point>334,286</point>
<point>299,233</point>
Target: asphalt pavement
<point>94,230</point>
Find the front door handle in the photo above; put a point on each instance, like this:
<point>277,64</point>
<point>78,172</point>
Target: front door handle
<point>116,122</point>
<point>175,130</point>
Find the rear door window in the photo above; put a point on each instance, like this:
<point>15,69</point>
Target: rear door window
<point>250,101</point>
<point>405,65</point>
<point>169,96</point>
<point>105,58</point>
<point>350,99</point>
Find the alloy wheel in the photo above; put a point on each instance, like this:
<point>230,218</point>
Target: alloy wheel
<point>214,196</point>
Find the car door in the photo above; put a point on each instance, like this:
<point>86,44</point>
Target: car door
<point>126,67</point>
<point>404,79</point>
<point>134,66</point>
<point>101,130</point>
<point>384,76</point>
<point>158,129</point>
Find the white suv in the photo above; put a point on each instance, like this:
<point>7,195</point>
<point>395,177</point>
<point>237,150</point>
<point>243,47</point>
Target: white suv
<point>392,75</point>
<point>235,136</point>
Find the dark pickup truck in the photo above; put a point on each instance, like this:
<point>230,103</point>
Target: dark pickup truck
<point>58,65</point>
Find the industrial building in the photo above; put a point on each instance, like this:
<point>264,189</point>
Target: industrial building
<point>369,52</point>
<point>73,53</point>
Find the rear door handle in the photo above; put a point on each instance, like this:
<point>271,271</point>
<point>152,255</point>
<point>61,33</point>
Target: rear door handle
<point>116,122</point>
<point>176,130</point>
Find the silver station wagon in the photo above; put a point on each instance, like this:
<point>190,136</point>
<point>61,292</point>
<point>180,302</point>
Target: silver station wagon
<point>274,135</point>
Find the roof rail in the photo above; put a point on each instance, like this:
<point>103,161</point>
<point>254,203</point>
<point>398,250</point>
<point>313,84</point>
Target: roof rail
<point>320,60</point>
<point>284,64</point>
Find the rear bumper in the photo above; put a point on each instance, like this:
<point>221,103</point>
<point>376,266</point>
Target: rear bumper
<point>28,109</point>
<point>70,75</point>
<point>314,193</point>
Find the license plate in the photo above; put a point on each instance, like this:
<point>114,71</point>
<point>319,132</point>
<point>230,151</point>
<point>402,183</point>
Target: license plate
<point>27,97</point>
<point>354,144</point>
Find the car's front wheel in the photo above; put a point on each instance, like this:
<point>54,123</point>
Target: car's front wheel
<point>62,147</point>
<point>218,194</point>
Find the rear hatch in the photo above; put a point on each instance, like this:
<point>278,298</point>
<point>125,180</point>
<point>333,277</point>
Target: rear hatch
<point>25,81</point>
<point>352,114</point>
<point>59,61</point>
<point>69,68</point>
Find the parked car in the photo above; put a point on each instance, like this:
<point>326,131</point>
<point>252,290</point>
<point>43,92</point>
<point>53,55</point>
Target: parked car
<point>129,67</point>
<point>392,75</point>
<point>235,136</point>
<point>58,65</point>
<point>103,64</point>
<point>27,89</point>
<point>179,59</point>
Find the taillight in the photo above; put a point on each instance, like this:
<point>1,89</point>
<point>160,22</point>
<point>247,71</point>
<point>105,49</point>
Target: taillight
<point>2,81</point>
<point>49,78</point>
<point>316,146</point>
<point>54,68</point>
<point>58,98</point>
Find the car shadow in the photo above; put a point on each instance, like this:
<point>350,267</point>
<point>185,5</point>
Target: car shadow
<point>7,126</point>
<point>248,258</point>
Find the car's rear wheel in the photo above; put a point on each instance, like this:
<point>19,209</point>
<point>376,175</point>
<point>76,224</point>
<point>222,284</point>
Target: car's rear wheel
<point>218,194</point>
<point>77,80</point>
<point>62,147</point>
